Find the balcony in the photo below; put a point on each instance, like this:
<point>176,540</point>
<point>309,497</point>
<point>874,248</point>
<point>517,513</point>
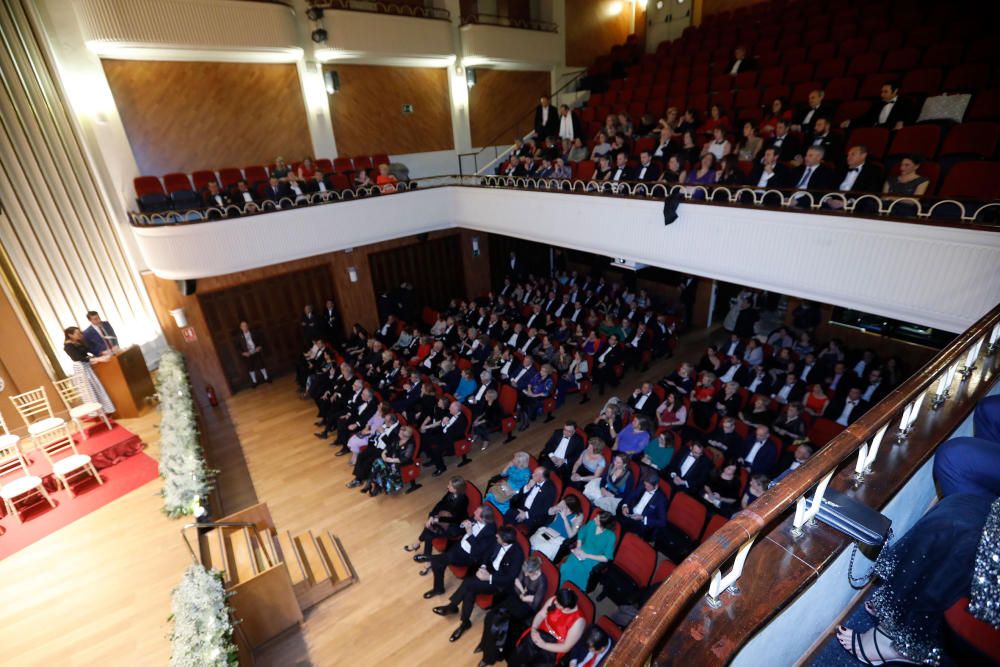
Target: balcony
<point>938,275</point>
<point>359,29</point>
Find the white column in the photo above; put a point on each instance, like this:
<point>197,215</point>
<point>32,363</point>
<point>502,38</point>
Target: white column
<point>458,90</point>
<point>317,103</point>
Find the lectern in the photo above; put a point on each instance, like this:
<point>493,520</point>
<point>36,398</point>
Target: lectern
<point>127,381</point>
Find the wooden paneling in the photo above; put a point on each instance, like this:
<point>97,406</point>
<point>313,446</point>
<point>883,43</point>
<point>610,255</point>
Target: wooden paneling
<point>476,267</point>
<point>534,257</point>
<point>184,116</point>
<point>501,97</point>
<point>709,8</point>
<point>21,369</point>
<point>591,32</point>
<point>433,267</point>
<point>273,308</point>
<point>368,116</point>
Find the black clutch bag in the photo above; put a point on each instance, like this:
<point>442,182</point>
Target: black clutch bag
<point>854,519</point>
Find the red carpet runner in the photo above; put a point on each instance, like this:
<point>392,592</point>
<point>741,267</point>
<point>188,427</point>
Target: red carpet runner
<point>118,456</point>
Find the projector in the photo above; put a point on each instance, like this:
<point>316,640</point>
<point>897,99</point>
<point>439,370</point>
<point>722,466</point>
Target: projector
<point>629,264</point>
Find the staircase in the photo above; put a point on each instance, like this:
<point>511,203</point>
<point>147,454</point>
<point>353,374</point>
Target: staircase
<point>274,575</point>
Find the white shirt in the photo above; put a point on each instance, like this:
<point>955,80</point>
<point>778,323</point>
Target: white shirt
<point>849,406</point>
<point>527,344</point>
<point>466,545</point>
<point>251,346</point>
<point>447,424</point>
<point>688,462</point>
<point>736,67</point>
<point>733,346</point>
<point>640,506</point>
<point>806,370</point>
<point>512,341</point>
<point>566,127</point>
<point>517,377</point>
<point>809,116</point>
<point>641,402</point>
<point>782,394</point>
<point>806,175</point>
<point>870,390</point>
<point>218,199</point>
<point>850,177</point>
<point>765,177</point>
<point>755,382</point>
<point>321,185</point>
<point>730,374</point>
<point>753,450</point>
<point>247,197</point>
<point>545,114</point>
<point>479,393</point>
<point>642,171</point>
<point>296,189</point>
<point>883,115</point>
<point>505,369</point>
<point>618,174</point>
<point>560,452</point>
<point>531,496</point>
<point>604,354</point>
<point>501,552</point>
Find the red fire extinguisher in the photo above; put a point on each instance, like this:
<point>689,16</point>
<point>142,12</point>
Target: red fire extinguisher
<point>213,400</point>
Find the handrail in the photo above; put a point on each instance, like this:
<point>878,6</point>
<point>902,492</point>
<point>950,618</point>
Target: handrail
<point>739,196</point>
<point>492,143</point>
<point>696,573</point>
<point>210,524</point>
<point>479,18</point>
<point>381,7</point>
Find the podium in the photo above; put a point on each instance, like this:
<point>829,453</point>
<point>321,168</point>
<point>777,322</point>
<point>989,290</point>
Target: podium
<point>127,381</point>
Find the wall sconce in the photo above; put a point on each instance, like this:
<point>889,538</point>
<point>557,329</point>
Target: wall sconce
<point>352,273</point>
<point>332,81</point>
<point>470,77</point>
<point>180,317</point>
<point>475,246</point>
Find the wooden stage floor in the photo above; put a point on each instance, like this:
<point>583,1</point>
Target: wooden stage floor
<point>98,591</point>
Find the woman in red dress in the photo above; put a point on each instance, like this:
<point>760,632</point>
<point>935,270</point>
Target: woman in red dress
<point>554,632</point>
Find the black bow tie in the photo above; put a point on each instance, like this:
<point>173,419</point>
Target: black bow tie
<point>853,169</point>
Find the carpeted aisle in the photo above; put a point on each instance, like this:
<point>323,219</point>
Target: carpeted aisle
<point>126,475</point>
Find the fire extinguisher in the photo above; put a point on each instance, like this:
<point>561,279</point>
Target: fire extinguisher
<point>213,400</point>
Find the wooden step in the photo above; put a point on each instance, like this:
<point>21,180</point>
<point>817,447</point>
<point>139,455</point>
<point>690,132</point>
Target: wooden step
<point>242,554</point>
<point>264,544</point>
<point>330,547</point>
<point>316,568</point>
<point>292,558</point>
<point>213,540</point>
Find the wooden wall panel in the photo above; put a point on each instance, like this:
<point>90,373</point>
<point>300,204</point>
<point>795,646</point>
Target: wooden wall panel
<point>184,116</point>
<point>367,110</point>
<point>590,32</point>
<point>433,267</point>
<point>499,98</point>
<point>356,302</point>
<point>273,308</point>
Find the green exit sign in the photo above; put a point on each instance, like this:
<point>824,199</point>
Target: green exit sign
<point>407,108</point>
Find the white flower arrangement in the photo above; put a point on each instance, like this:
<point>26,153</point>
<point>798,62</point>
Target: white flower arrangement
<point>203,629</point>
<point>186,478</point>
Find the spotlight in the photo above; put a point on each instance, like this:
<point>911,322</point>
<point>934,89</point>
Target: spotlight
<point>470,77</point>
<point>314,13</point>
<point>319,35</point>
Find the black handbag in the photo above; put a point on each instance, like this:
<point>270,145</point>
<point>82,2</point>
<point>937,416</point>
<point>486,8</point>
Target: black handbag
<point>859,522</point>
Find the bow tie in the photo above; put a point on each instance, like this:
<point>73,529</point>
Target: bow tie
<point>853,169</point>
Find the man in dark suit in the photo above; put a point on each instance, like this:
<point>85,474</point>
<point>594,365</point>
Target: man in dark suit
<point>356,419</point>
<point>440,440</point>
<point>621,172</point>
<point>769,172</point>
<point>644,510</point>
<point>243,196</point>
<point>342,402</point>
<point>250,346</point>
<point>734,345</point>
<point>858,177</point>
<point>604,363</point>
<point>812,174</point>
<point>759,381</point>
<point>495,576</point>
<point>478,538</point>
<point>644,400</point>
<point>530,506</point>
<point>808,114</point>
<point>648,170</point>
<point>689,469</point>
<point>100,336</point>
<point>787,145</point>
<point>845,410</point>
<point>891,112</point>
<point>823,137</point>
<point>875,388</point>
<point>792,390</point>
<point>740,63</point>
<point>317,185</point>
<point>759,453</point>
<point>546,119</point>
<point>213,196</point>
<point>275,190</point>
<point>387,434</point>
<point>725,438</point>
<point>562,450</point>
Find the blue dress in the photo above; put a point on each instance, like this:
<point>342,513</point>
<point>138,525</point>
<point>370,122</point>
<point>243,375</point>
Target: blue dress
<point>516,478</point>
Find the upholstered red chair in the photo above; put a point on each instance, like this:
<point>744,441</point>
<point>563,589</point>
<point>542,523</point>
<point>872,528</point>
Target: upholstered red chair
<point>971,140</point>
<point>902,59</point>
<point>972,180</point>
<point>230,176</point>
<point>830,68</point>
<point>717,521</point>
<point>380,158</point>
<point>631,569</point>
<point>147,185</point>
<point>255,174</point>
<point>342,165</point>
<point>410,473</point>
<point>176,181</point>
<point>915,139</point>
<point>464,445</point>
<point>841,88</point>
<point>874,138</point>
<point>685,521</point>
<point>202,178</point>
<point>926,81</point>
<point>864,64</point>
<point>823,431</point>
<point>583,602</point>
<point>966,77</point>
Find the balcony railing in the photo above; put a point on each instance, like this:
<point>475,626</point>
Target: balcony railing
<point>509,22</point>
<point>867,205</point>
<point>683,624</point>
<point>380,7</point>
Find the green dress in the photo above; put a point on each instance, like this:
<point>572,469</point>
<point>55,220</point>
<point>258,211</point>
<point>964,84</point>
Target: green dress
<point>578,571</point>
<point>659,456</point>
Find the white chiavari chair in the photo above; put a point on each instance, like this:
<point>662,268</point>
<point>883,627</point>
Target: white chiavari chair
<point>67,463</point>
<point>78,409</point>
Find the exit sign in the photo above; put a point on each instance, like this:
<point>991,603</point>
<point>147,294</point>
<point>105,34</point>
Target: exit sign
<point>407,108</point>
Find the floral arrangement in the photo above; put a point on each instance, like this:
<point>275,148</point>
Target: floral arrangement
<point>186,478</point>
<point>203,631</point>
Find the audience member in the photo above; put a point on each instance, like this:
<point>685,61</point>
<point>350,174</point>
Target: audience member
<point>595,544</point>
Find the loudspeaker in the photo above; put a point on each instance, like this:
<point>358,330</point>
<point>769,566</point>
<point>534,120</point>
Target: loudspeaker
<point>187,287</point>
<point>670,207</point>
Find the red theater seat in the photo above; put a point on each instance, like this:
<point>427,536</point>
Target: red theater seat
<point>176,181</point>
<point>202,178</point>
<point>148,185</point>
<point>974,139</point>
<point>874,138</point>
<point>919,139</point>
<point>972,180</point>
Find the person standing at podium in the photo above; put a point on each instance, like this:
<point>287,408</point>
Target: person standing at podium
<point>86,382</point>
<point>99,336</point>
<point>249,345</point>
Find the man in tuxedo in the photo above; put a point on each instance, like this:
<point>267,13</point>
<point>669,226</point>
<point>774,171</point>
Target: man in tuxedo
<point>725,438</point>
<point>569,124</point>
<point>214,197</point>
<point>478,538</point>
<point>759,453</point>
<point>768,173</point>
<point>858,177</point>
<point>846,410</point>
<point>537,317</point>
<point>891,112</point>
<point>347,394</point>
<point>318,185</point>
<point>621,171</point>
<point>355,419</point>
<point>521,377</point>
<point>495,576</point>
<point>604,364</point>
<point>810,370</point>
<point>562,450</point>
<point>644,510</point>
<point>525,168</point>
<point>792,390</point>
<point>648,170</point>
<point>530,506</point>
<point>786,144</point>
<point>387,434</point>
<point>644,401</point>
<point>740,63</point>
<point>440,440</point>
<point>875,389</point>
<point>793,460</point>
<point>812,175</point>
<point>250,346</point>
<point>275,190</point>
<point>244,196</point>
<point>637,342</point>
<point>839,380</point>
<point>689,470</point>
<point>733,346</point>
<point>546,119</point>
<point>100,336</point>
<point>822,137</point>
<point>759,381</point>
<point>815,108</point>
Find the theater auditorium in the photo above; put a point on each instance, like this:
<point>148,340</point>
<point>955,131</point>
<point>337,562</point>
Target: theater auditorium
<point>574,333</point>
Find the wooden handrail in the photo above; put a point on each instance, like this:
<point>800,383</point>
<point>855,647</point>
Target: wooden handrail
<point>688,582</point>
